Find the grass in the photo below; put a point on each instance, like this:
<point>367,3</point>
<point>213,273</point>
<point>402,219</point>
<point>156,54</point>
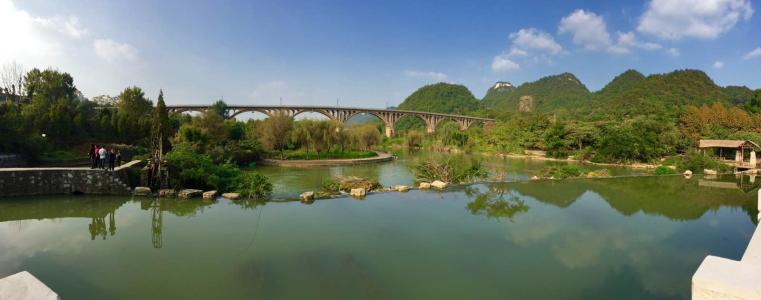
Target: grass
<point>301,154</point>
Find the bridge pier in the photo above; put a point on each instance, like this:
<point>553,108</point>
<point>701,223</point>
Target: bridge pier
<point>389,131</point>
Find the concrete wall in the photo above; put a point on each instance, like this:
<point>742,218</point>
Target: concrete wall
<point>721,278</point>
<point>51,181</point>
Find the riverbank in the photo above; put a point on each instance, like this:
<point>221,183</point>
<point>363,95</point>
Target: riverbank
<point>382,157</point>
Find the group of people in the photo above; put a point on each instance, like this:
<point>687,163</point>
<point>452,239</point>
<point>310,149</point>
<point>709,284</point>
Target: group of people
<point>103,158</point>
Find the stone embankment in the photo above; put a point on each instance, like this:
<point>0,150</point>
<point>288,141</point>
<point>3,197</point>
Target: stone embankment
<point>52,181</point>
<point>721,278</point>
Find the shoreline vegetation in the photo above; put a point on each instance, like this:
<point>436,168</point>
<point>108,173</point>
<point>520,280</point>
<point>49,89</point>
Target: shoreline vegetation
<point>652,122</point>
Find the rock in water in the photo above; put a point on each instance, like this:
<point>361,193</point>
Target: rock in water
<point>189,193</point>
<point>358,192</point>
<point>424,186</point>
<point>142,191</point>
<point>402,188</point>
<point>167,193</point>
<point>307,196</point>
<point>688,173</point>
<point>534,177</point>
<point>231,196</point>
<point>209,195</point>
<point>439,184</point>
<point>709,172</point>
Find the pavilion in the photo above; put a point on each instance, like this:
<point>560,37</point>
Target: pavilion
<point>738,153</point>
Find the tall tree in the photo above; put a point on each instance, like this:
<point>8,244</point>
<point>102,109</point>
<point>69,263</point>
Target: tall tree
<point>275,133</point>
<point>161,122</point>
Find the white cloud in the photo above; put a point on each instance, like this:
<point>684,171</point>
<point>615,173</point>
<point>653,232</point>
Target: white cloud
<point>433,76</point>
<point>112,51</point>
<point>718,65</point>
<point>677,19</point>
<point>673,52</point>
<point>587,28</point>
<point>753,54</point>
<point>529,44</point>
<point>503,63</point>
<point>34,40</point>
<point>532,39</point>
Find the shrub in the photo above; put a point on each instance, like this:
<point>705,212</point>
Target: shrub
<point>664,170</point>
<point>562,172</point>
<point>193,170</point>
<point>254,185</point>
<point>697,162</point>
<point>453,168</point>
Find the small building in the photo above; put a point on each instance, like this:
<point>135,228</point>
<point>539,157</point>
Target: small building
<point>738,153</point>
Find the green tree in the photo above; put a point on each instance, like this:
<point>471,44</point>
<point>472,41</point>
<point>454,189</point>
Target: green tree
<point>275,131</point>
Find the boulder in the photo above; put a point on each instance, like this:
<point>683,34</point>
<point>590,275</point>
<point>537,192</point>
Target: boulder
<point>424,186</point>
<point>231,196</point>
<point>209,195</point>
<point>439,184</point>
<point>534,177</point>
<point>167,193</point>
<point>401,188</point>
<point>142,191</point>
<point>189,193</point>
<point>687,173</point>
<point>307,196</point>
<point>709,172</point>
<point>358,192</point>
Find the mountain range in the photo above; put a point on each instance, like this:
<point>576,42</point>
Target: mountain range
<point>629,94</point>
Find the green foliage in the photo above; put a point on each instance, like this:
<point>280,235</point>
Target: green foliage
<point>555,140</point>
<point>449,134</point>
<point>659,94</point>
<point>563,171</point>
<point>641,139</point>
<point>452,168</point>
<point>664,170</point>
<point>557,93</point>
<point>219,108</point>
<point>697,162</point>
<point>413,139</point>
<point>253,185</point>
<point>189,169</point>
<point>441,98</point>
<point>754,104</point>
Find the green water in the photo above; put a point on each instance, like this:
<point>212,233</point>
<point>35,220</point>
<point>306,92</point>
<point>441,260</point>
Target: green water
<point>629,238</point>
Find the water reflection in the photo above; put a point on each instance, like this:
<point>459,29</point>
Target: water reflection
<point>98,226</point>
<point>497,202</point>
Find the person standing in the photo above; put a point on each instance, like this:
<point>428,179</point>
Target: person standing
<point>111,160</point>
<point>93,156</point>
<point>119,158</point>
<point>102,156</point>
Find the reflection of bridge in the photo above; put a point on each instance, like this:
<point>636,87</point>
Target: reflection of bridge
<point>343,114</point>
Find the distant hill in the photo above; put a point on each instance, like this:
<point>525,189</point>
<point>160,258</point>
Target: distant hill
<point>562,92</point>
<point>498,90</point>
<point>664,94</point>
<point>738,95</point>
<point>442,98</point>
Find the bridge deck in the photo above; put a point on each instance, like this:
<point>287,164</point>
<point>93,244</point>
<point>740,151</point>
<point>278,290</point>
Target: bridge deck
<point>311,108</point>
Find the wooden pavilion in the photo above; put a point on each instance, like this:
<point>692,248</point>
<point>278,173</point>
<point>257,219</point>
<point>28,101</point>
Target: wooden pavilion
<point>738,153</point>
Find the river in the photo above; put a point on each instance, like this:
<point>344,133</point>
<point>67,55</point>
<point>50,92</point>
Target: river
<point>622,238</point>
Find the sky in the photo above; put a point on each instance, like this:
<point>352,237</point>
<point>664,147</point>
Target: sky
<point>371,53</point>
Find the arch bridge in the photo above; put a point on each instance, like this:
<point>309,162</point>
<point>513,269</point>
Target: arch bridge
<point>343,114</point>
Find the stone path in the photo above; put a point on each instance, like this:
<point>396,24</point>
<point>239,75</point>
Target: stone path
<point>123,166</point>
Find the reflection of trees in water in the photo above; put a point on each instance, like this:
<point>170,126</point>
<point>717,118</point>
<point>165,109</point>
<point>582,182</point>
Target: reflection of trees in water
<point>497,202</point>
<point>157,224</point>
<point>98,226</point>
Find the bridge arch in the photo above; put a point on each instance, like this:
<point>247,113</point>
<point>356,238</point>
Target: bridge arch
<point>234,113</point>
<point>323,112</point>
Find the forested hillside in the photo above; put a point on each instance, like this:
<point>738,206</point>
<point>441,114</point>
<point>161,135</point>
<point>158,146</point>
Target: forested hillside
<point>556,93</point>
<point>442,98</point>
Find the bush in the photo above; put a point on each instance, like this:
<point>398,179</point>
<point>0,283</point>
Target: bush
<point>254,185</point>
<point>453,168</point>
<point>192,170</point>
<point>664,170</point>
<point>562,172</point>
<point>697,162</point>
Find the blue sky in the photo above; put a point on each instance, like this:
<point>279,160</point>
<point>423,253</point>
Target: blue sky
<point>369,53</point>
